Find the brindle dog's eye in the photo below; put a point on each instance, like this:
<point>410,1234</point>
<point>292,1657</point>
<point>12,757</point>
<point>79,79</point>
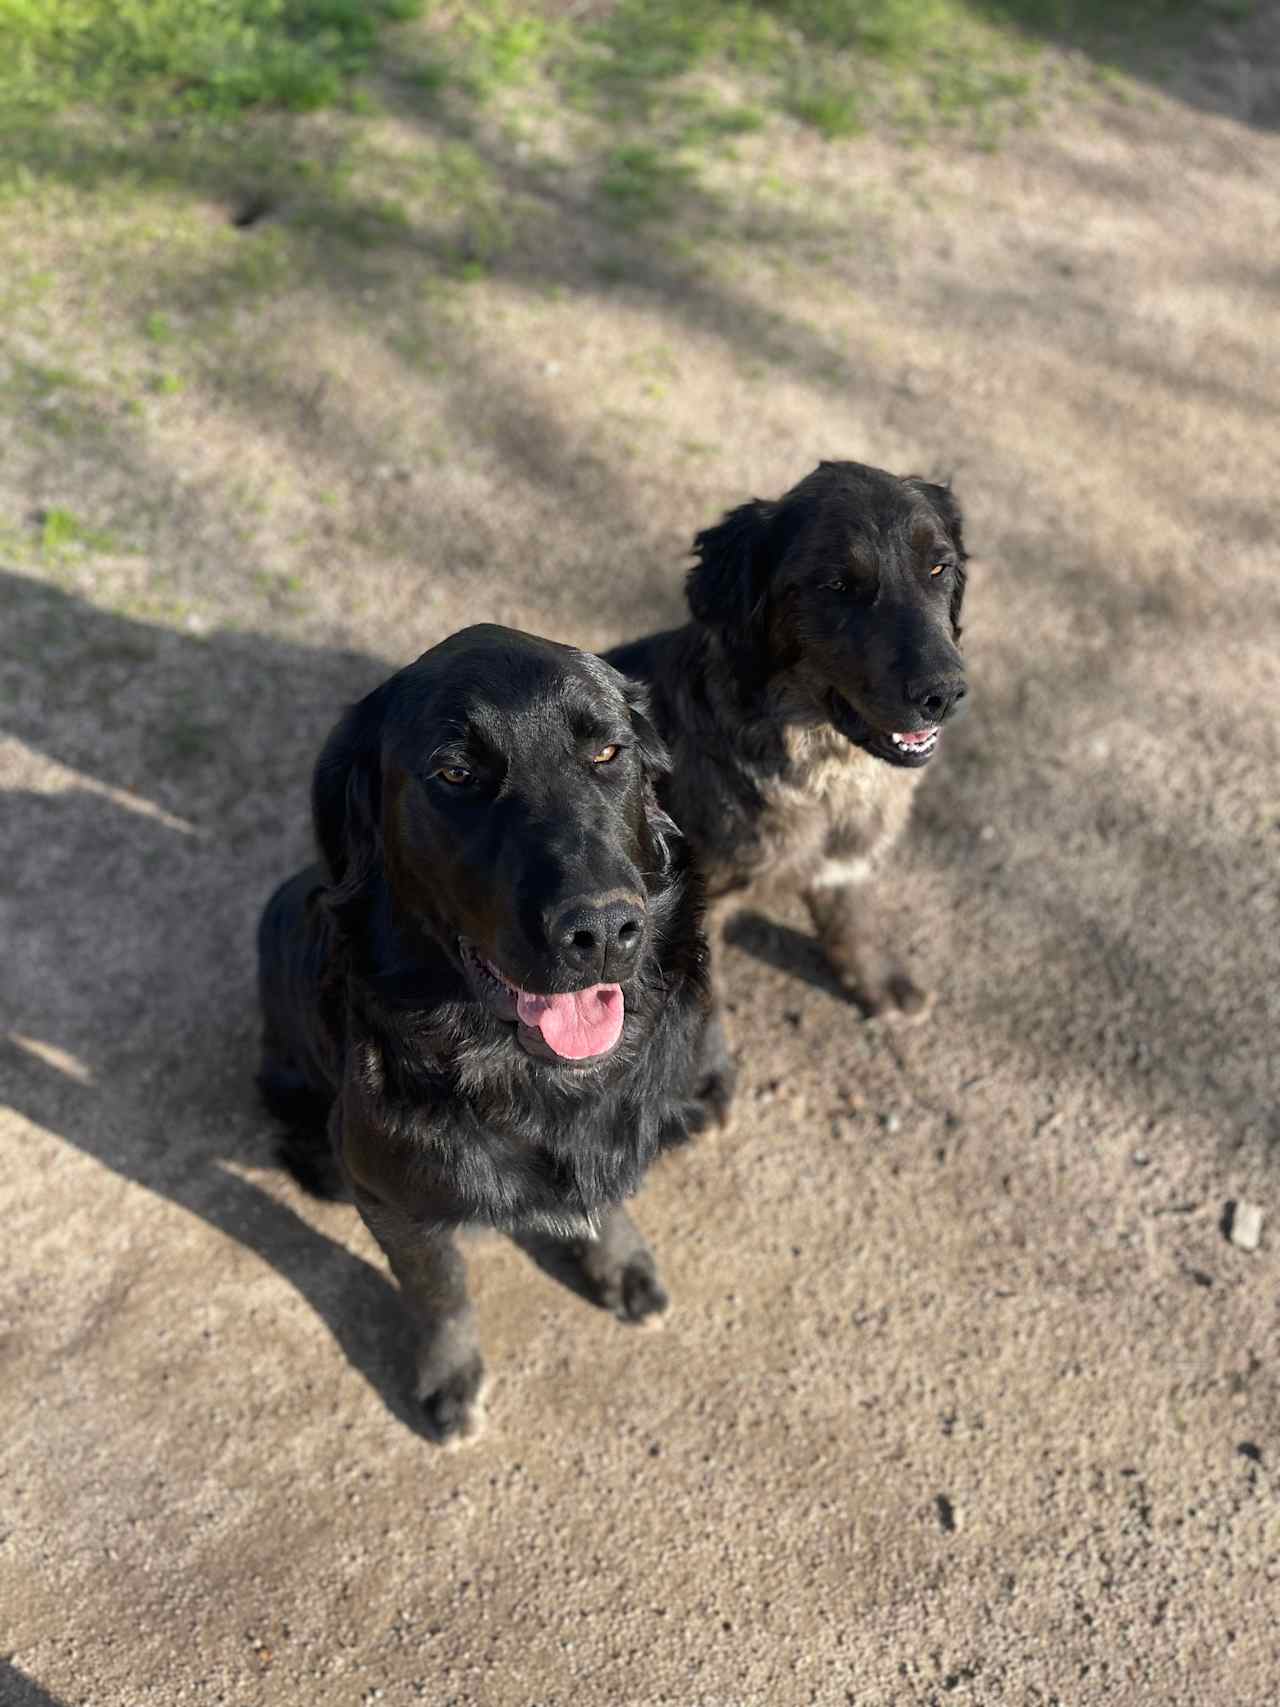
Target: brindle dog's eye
<point>836,586</point>
<point>457,776</point>
<point>939,569</point>
<point>606,755</point>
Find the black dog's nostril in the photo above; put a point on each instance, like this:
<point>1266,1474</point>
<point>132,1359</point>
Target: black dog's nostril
<point>598,938</point>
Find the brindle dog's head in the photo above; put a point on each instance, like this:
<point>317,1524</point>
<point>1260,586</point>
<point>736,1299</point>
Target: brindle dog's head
<point>496,797</point>
<point>850,585</point>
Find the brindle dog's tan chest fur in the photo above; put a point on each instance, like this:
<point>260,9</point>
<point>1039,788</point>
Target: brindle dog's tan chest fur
<point>833,816</point>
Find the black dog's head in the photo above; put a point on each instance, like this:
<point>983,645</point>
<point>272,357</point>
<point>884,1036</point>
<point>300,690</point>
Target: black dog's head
<point>497,795</point>
<point>852,584</point>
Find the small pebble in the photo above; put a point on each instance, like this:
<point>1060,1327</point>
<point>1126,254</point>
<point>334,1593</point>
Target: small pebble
<point>892,1122</point>
<point>1246,1226</point>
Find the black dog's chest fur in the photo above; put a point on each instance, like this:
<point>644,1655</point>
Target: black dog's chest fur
<point>441,1112</point>
<point>512,1148</point>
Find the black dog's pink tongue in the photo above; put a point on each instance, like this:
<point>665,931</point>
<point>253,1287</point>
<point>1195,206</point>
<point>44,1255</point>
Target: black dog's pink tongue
<point>577,1026</point>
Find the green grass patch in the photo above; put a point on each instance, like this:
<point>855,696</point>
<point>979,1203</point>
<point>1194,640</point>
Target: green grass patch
<point>640,181</point>
<point>830,108</point>
<point>216,56</point>
<point>63,534</point>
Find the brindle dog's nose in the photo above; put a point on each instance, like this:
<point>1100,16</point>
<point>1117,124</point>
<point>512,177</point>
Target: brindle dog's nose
<point>937,697</point>
<point>599,936</point>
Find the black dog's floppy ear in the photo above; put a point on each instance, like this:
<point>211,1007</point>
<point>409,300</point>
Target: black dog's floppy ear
<point>346,800</point>
<point>943,502</point>
<point>726,588</point>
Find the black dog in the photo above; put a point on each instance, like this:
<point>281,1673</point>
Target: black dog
<point>805,698</point>
<point>489,999</point>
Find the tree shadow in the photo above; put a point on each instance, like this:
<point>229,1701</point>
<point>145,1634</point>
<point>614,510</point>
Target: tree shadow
<point>1222,59</point>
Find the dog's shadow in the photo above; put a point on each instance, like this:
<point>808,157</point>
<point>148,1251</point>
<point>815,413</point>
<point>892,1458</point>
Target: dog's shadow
<point>358,1303</point>
<point>138,840</point>
<point>787,950</point>
<point>19,1690</point>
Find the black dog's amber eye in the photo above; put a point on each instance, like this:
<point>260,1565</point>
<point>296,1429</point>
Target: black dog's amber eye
<point>457,776</point>
<point>606,755</point>
<point>938,569</point>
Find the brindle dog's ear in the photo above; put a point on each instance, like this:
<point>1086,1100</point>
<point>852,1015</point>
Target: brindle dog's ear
<point>663,832</point>
<point>943,501</point>
<point>649,744</point>
<point>727,587</point>
<point>346,802</point>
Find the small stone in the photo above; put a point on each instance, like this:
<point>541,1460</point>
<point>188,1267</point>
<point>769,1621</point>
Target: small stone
<point>1245,1229</point>
<point>892,1122</point>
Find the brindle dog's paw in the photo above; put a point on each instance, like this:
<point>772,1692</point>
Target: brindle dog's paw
<point>635,1295</point>
<point>452,1410</point>
<point>892,996</point>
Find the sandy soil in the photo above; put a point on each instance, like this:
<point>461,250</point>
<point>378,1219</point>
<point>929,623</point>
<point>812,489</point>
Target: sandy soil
<point>966,1397</point>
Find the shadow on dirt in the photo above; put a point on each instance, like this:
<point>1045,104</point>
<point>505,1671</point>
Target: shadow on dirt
<point>1218,58</point>
<point>134,991</point>
<point>18,1690</point>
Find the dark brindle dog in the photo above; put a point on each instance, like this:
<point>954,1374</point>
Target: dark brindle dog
<point>490,997</point>
<point>805,698</point>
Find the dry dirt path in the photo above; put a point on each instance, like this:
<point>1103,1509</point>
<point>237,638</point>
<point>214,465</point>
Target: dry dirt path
<point>965,1397</point>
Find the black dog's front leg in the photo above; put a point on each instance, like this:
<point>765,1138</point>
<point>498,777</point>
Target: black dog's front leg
<point>620,1270</point>
<point>869,973</point>
<point>433,1279</point>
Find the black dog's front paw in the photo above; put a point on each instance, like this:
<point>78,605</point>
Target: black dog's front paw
<point>643,1299</point>
<point>633,1292</point>
<point>452,1410</point>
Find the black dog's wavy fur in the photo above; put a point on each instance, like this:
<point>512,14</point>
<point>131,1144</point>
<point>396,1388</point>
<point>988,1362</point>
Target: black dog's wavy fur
<point>480,1131</point>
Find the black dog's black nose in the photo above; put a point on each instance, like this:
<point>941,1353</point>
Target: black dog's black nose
<point>936,697</point>
<point>599,936</point>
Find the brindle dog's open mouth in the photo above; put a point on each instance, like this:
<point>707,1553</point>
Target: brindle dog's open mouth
<point>575,1027</point>
<point>910,748</point>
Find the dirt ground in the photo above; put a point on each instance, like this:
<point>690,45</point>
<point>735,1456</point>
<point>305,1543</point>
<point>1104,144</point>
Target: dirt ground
<point>966,1396</point>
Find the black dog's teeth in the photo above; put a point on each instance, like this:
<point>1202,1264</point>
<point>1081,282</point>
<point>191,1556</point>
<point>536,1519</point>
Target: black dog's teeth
<point>475,959</point>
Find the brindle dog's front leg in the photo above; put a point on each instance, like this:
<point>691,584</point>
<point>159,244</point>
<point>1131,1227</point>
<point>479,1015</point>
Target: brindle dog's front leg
<point>620,1270</point>
<point>870,974</point>
<point>433,1279</point>
<point>716,1075</point>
